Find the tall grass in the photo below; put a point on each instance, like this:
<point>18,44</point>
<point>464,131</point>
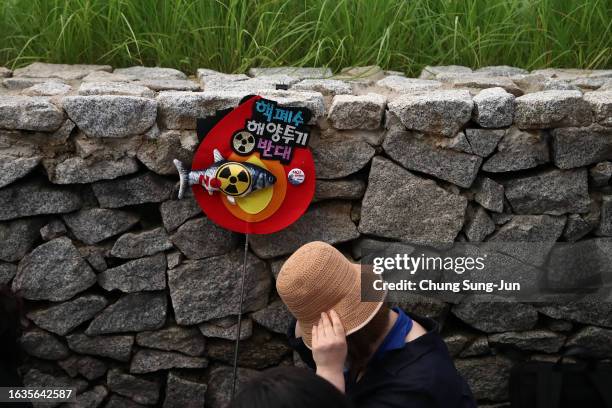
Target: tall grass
<point>232,35</point>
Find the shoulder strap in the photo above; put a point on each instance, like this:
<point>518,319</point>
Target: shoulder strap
<point>595,375</point>
<point>603,386</point>
<point>548,388</point>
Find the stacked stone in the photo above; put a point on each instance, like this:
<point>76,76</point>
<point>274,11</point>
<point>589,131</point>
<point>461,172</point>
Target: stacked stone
<point>131,295</point>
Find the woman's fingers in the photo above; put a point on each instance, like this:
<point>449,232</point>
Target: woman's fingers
<point>327,326</point>
<point>336,323</point>
<point>329,348</point>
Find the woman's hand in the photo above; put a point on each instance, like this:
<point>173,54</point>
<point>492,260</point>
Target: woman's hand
<point>329,348</point>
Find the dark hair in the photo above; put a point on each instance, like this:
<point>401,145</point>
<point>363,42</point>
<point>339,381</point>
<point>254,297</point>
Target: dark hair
<point>289,387</point>
<point>10,327</point>
<point>360,343</point>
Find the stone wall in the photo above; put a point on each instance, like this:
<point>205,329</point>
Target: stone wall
<point>131,295</point>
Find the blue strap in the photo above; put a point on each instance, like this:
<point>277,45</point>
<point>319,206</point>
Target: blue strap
<point>396,339</point>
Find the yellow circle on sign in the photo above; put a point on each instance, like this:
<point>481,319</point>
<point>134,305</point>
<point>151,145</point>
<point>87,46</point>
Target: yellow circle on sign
<point>257,201</point>
<point>235,178</point>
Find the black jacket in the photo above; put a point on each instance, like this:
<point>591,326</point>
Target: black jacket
<point>420,375</point>
<point>10,378</point>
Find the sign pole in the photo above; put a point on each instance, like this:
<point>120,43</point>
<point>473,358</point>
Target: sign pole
<point>239,325</point>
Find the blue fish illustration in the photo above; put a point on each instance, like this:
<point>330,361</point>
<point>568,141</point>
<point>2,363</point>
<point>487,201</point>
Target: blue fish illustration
<point>234,179</point>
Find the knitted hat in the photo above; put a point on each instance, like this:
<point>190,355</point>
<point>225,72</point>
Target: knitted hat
<point>318,278</point>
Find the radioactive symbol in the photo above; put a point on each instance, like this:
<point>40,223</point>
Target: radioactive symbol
<point>235,178</point>
<point>243,142</point>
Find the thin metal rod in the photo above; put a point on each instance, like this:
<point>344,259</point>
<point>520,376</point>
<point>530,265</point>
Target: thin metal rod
<point>239,325</point>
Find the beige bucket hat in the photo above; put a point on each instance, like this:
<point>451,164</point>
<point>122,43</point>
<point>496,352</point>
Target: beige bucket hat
<point>318,278</point>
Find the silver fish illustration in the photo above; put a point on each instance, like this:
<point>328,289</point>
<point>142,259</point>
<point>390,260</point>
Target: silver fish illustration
<point>234,179</point>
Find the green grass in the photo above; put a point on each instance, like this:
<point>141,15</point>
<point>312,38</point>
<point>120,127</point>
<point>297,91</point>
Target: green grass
<point>233,35</point>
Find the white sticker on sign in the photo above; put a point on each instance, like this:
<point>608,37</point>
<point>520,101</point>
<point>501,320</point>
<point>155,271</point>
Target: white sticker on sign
<point>296,176</point>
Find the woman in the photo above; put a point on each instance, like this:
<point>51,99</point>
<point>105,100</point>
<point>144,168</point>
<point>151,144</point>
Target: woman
<point>10,352</point>
<point>379,357</point>
<point>10,330</point>
<point>289,387</point>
